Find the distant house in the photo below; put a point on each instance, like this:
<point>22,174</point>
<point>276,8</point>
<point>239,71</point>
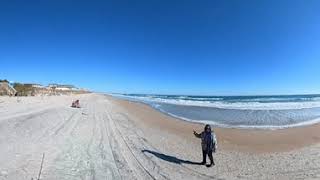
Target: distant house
<point>37,86</point>
<point>62,87</point>
<point>65,87</point>
<point>53,85</point>
<point>34,85</point>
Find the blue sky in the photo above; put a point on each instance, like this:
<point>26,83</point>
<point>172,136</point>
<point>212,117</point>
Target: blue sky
<point>168,47</point>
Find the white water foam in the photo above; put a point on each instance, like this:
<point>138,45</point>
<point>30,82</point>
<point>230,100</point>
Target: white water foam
<point>156,103</point>
<point>250,105</point>
<point>267,127</point>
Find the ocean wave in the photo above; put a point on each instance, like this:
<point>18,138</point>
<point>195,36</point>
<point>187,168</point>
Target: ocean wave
<point>247,115</point>
<point>267,127</point>
<point>245,104</point>
<point>226,125</point>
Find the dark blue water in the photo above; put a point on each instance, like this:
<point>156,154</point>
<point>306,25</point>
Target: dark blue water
<point>269,112</point>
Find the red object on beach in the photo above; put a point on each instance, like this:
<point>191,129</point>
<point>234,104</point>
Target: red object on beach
<point>76,104</point>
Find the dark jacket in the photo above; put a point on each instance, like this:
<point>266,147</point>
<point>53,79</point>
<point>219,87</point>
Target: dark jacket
<point>208,141</point>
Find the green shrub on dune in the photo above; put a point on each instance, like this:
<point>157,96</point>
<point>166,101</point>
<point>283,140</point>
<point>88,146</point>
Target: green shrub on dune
<point>4,80</point>
<point>24,89</point>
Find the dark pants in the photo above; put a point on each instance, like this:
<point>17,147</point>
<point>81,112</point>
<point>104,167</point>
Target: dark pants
<point>204,155</point>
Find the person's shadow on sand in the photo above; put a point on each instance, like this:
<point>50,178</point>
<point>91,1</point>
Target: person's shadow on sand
<point>171,159</point>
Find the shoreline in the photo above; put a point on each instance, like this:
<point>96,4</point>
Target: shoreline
<point>244,127</point>
<point>227,126</point>
<point>230,139</point>
<point>108,138</point>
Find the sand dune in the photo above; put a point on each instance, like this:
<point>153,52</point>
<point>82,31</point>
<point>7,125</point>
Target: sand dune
<point>113,139</point>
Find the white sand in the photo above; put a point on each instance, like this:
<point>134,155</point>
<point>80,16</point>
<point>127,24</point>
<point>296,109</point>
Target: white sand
<point>106,140</point>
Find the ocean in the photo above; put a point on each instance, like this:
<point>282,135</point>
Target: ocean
<point>259,112</point>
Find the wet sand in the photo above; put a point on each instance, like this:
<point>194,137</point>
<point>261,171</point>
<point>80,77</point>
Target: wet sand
<point>246,140</point>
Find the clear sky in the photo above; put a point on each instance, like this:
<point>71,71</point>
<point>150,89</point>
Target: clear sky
<point>164,46</point>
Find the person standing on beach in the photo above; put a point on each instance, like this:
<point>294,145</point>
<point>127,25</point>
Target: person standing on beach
<point>208,144</point>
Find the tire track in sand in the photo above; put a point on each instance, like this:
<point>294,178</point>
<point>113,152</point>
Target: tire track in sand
<point>129,154</point>
<point>125,121</point>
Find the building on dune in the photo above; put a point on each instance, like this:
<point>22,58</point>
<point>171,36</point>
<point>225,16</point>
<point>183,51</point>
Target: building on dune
<point>37,86</point>
<point>63,87</point>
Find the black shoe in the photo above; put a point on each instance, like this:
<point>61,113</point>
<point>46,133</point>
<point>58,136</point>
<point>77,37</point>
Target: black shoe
<point>203,163</point>
<point>210,165</point>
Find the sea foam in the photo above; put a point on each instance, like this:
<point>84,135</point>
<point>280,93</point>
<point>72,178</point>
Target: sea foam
<point>262,112</point>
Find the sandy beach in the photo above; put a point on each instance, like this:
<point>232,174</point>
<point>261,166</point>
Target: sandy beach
<point>109,138</point>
